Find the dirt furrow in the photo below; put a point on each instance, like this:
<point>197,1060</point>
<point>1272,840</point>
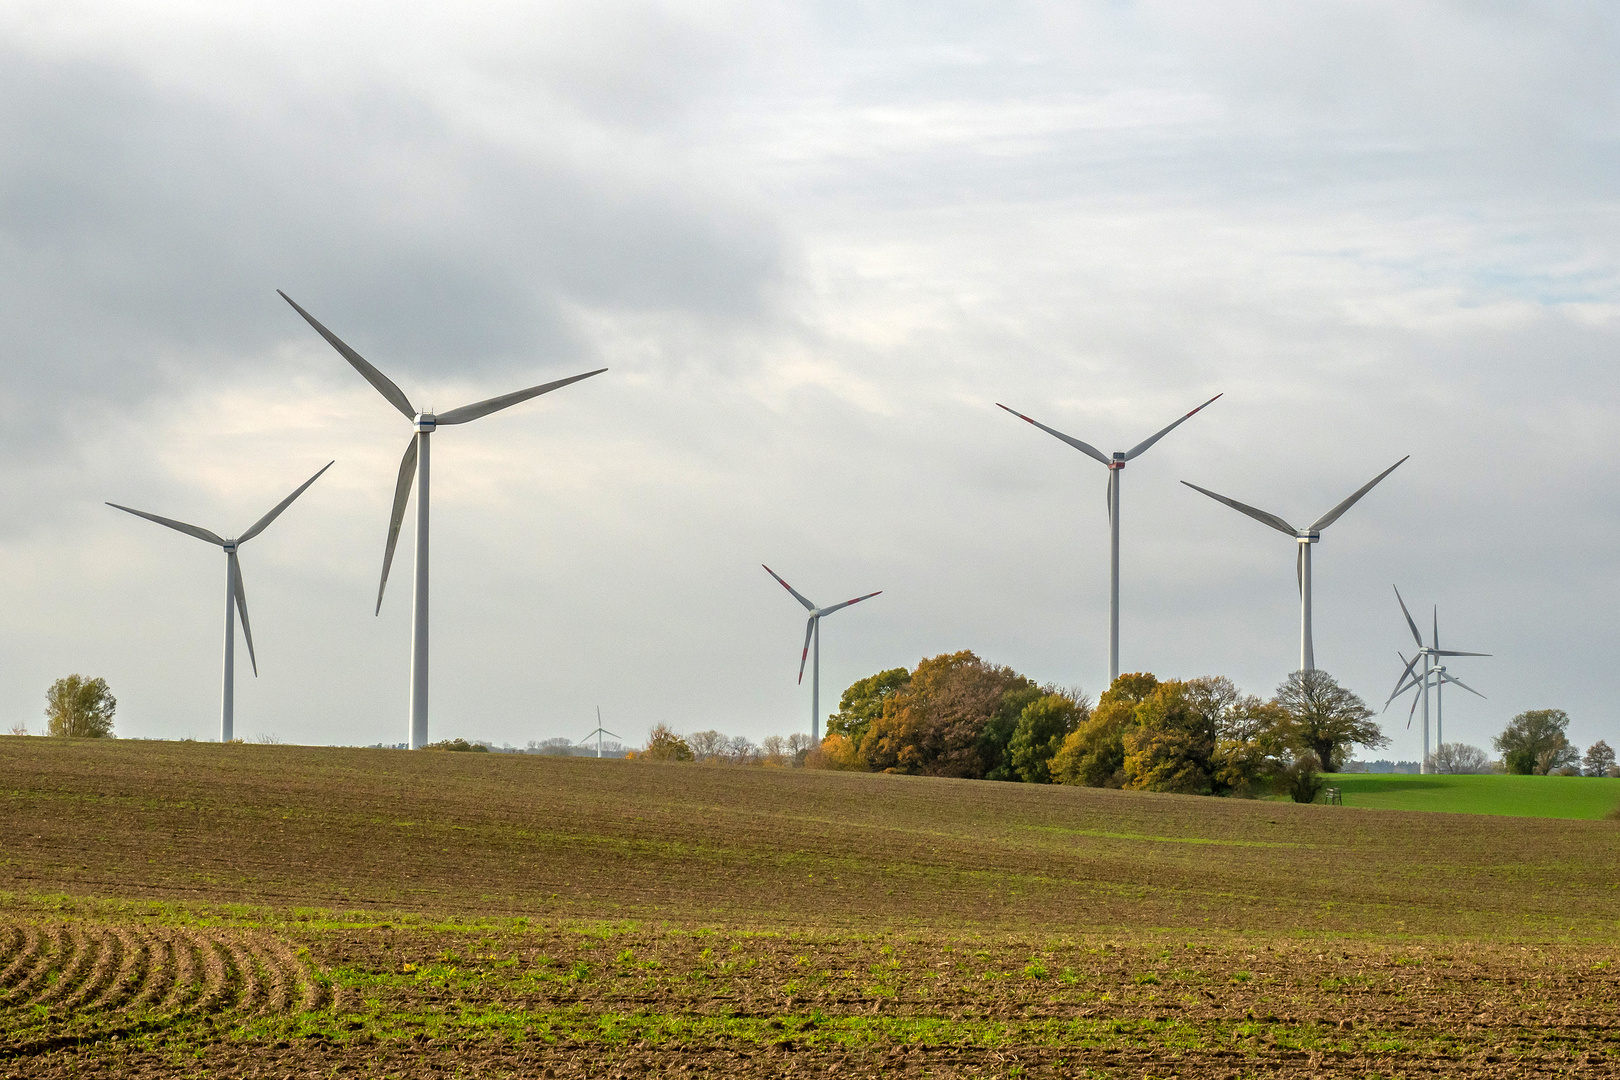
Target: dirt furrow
<point>187,979</point>
<point>52,956</point>
<point>133,958</point>
<point>109,954</point>
<point>29,949</point>
<point>157,974</point>
<point>86,953</point>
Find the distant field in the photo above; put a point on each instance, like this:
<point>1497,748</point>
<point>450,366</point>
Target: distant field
<point>1576,797</point>
<point>196,909</point>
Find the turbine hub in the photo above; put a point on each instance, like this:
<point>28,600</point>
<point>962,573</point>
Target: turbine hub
<point>1118,462</point>
<point>230,545</point>
<point>1307,536</point>
<point>426,422</point>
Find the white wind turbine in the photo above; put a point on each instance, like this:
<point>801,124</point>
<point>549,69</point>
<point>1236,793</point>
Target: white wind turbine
<point>414,466</point>
<point>1302,563</point>
<point>235,596</point>
<point>812,633</point>
<point>599,732</point>
<point>1434,673</point>
<point>1115,465</point>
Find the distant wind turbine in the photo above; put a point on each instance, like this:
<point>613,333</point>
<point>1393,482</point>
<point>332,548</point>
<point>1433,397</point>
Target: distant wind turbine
<point>415,466</point>
<point>1115,465</point>
<point>235,596</point>
<point>599,732</point>
<point>1432,673</point>
<point>1306,537</point>
<point>812,634</point>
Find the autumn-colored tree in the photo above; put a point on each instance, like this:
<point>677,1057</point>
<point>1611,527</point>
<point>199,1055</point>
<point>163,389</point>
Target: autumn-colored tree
<point>835,752</point>
<point>1172,745</point>
<point>1093,754</point>
<point>1599,759</point>
<point>1042,727</point>
<point>663,744</point>
<point>935,725</point>
<point>80,708</point>
<point>1328,718</point>
<point>863,702</point>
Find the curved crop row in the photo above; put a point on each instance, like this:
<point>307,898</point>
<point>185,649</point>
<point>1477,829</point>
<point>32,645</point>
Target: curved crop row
<point>65,971</point>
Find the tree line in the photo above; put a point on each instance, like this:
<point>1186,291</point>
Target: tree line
<point>958,715</point>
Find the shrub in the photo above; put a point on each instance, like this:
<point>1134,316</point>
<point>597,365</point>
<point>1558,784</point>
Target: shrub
<point>80,708</point>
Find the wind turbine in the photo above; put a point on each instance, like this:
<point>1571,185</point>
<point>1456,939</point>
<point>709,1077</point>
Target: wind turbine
<point>1306,537</point>
<point>235,597</point>
<point>812,630</point>
<point>599,732</point>
<point>1115,466</point>
<point>1433,673</point>
<point>415,466</point>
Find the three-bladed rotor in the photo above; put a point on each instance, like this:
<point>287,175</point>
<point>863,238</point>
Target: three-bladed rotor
<point>233,566</point>
<point>423,422</point>
<point>1115,464</point>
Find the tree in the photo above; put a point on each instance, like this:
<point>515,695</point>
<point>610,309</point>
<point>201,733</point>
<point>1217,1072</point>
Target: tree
<point>1599,759</point>
<point>1301,776</point>
<point>863,702</point>
<point>706,745</point>
<point>1456,757</point>
<point>1252,743</point>
<point>80,708</point>
<point>1042,727</point>
<point>1093,755</point>
<point>774,749</point>
<point>1328,719</point>
<point>936,724</point>
<point>664,745</point>
<point>798,746</point>
<point>1172,743</point>
<point>1534,743</point>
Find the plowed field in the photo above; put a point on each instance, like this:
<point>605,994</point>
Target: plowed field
<point>191,909</point>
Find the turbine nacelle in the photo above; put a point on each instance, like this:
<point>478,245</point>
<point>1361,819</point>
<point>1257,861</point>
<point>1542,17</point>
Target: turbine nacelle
<point>425,422</point>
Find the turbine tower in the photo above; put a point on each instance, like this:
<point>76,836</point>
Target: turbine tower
<point>812,632</point>
<point>235,596</point>
<point>414,466</point>
<point>1305,537</point>
<point>1115,466</point>
<point>1434,673</point>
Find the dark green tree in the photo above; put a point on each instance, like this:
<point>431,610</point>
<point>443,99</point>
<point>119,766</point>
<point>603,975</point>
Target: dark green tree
<point>1042,727</point>
<point>1328,718</point>
<point>80,708</point>
<point>1534,743</point>
<point>863,702</point>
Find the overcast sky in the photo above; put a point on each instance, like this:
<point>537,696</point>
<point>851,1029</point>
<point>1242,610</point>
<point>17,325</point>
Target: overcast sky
<point>814,244</point>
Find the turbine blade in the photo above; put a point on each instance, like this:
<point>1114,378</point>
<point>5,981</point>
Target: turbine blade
<point>1299,569</point>
<point>846,603</point>
<point>402,494</point>
<point>809,628</point>
<point>1334,514</point>
<point>264,522</point>
<point>190,530</point>
<point>496,404</point>
<point>808,606</point>
<point>1435,640</point>
<point>1400,683</point>
<point>1143,445</point>
<point>385,386</point>
<point>1417,637</point>
<point>1448,677</point>
<point>241,607</point>
<point>1453,652</point>
<point>1413,710</point>
<point>1259,515</point>
<point>1108,498</point>
<point>1083,447</point>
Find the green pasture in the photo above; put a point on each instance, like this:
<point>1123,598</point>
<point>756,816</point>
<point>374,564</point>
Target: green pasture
<point>1582,797</point>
